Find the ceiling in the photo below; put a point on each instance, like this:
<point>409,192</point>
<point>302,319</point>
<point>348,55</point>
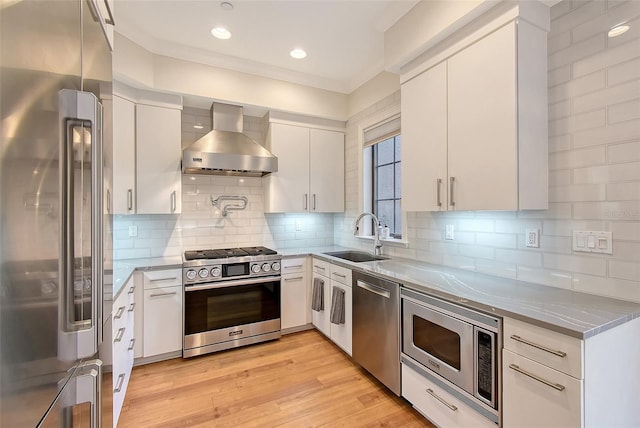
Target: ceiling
<point>344,39</point>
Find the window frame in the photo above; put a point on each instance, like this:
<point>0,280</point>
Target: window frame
<point>374,184</point>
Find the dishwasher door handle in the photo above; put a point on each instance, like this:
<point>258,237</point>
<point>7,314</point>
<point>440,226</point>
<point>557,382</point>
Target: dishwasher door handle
<point>374,289</point>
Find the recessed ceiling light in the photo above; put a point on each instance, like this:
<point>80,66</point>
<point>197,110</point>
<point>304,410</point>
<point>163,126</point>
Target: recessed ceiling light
<point>298,53</point>
<point>618,30</point>
<point>221,33</point>
<point>225,5</point>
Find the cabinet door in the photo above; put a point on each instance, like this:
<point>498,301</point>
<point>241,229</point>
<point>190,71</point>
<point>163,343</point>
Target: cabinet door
<point>341,333</point>
<point>293,301</point>
<point>534,395</point>
<point>162,320</point>
<point>158,157</point>
<point>424,141</point>
<point>326,171</point>
<point>124,156</point>
<point>482,126</point>
<point>320,319</point>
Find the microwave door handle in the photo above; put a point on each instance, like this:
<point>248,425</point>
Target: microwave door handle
<point>79,112</point>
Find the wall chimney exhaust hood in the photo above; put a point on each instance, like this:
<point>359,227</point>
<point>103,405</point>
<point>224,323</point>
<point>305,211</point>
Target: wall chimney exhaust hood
<point>226,150</point>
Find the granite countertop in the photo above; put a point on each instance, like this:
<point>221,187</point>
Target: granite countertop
<point>569,312</point>
<point>123,269</point>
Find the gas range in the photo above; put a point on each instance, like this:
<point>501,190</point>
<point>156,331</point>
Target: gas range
<point>214,265</point>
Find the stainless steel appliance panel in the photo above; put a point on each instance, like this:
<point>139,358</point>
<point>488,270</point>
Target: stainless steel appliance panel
<point>376,328</point>
<point>51,211</point>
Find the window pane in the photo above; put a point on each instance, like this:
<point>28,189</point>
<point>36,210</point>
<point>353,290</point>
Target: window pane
<point>384,183</point>
<point>398,182</point>
<point>397,138</point>
<point>385,152</point>
<point>385,212</point>
<point>397,229</point>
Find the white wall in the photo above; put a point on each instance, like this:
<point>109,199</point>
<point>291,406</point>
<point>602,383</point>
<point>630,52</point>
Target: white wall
<point>594,169</point>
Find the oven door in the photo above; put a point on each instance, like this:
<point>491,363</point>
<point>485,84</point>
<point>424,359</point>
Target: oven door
<point>230,310</point>
<point>440,342</point>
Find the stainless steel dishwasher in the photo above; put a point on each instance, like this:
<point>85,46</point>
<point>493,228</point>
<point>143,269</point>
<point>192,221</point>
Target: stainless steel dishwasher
<point>376,328</point>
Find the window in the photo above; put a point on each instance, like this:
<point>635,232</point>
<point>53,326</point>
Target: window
<point>386,184</point>
<point>382,174</point>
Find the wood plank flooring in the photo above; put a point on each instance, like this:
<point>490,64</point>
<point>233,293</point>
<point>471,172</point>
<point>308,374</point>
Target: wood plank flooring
<point>301,380</point>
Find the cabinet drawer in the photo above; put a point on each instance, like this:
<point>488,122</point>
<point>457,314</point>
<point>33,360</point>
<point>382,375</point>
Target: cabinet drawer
<point>439,406</point>
<point>162,278</point>
<point>293,265</point>
<point>537,396</point>
<point>321,267</point>
<point>547,347</point>
<point>341,274</point>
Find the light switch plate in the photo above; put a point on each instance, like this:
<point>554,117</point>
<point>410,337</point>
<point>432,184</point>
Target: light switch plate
<point>589,241</point>
<point>449,234</point>
<point>298,225</point>
<point>133,231</point>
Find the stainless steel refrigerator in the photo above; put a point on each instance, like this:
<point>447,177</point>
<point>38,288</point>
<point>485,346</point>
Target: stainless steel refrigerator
<point>55,225</point>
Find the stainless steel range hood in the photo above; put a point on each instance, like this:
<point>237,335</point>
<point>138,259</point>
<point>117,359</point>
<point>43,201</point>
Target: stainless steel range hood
<point>226,150</point>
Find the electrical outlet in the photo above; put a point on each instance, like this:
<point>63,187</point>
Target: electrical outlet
<point>133,231</point>
<point>298,225</point>
<point>448,234</point>
<point>532,238</point>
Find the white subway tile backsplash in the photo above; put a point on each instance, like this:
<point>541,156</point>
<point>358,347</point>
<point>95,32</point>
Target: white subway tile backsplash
<point>559,42</point>
<point>618,288</point>
<point>584,49</point>
<point>545,276</point>
<point>593,265</point>
<point>519,257</point>
<point>626,250</point>
<point>624,210</point>
<point>624,270</point>
<point>625,230</point>
<point>607,97</point>
<point>623,191</point>
<point>602,23</point>
<point>569,125</point>
<point>614,133</point>
<point>583,85</point>
<point>608,173</point>
<point>559,76</point>
<point>477,252</point>
<point>559,143</point>
<point>606,58</point>
<point>559,177</point>
<point>566,227</point>
<point>623,112</point>
<point>582,11</point>
<point>577,158</point>
<point>560,110</point>
<point>623,72</point>
<point>497,240</point>
<point>577,192</point>
<point>506,270</point>
<point>626,152</point>
<point>516,226</point>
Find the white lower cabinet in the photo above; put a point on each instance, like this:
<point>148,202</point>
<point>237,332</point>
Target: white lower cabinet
<point>162,312</point>
<point>553,380</point>
<point>438,405</point>
<point>293,293</point>
<point>341,334</point>
<point>123,342</point>
<point>340,277</point>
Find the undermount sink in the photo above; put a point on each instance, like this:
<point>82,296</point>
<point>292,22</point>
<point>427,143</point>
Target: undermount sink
<point>355,256</point>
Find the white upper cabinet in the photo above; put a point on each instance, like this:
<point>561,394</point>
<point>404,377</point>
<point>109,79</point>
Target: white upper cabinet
<point>474,126</point>
<point>310,175</point>
<point>158,156</point>
<point>124,156</point>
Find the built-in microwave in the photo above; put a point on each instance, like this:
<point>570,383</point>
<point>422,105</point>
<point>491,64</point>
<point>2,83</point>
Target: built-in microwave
<point>456,343</point>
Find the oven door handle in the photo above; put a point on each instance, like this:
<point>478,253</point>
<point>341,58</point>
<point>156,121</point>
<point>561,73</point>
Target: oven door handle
<point>225,284</point>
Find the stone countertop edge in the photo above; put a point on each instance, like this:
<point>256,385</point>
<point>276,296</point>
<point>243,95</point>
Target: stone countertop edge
<point>123,269</point>
<point>569,312</point>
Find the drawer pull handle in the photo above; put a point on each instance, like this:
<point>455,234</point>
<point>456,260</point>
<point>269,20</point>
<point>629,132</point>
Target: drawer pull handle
<point>163,294</point>
<point>535,345</point>
<point>319,267</point>
<point>132,307</point>
<point>297,278</point>
<point>132,343</point>
<point>538,378</point>
<point>340,275</point>
<point>119,313</point>
<point>440,399</point>
<point>164,279</point>
<point>119,383</point>
<point>133,287</point>
<point>119,335</point>
<point>294,267</point>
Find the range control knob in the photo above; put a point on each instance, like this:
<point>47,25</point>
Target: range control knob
<point>275,266</point>
<point>266,267</point>
<point>255,268</point>
<point>191,274</point>
<point>215,272</point>
<point>203,273</point>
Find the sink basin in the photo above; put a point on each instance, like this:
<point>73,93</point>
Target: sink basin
<point>355,256</point>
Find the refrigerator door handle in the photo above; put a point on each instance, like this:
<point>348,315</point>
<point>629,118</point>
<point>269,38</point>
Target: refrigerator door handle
<point>80,115</point>
<point>84,386</point>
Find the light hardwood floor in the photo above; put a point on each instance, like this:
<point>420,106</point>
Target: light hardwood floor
<point>301,380</point>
